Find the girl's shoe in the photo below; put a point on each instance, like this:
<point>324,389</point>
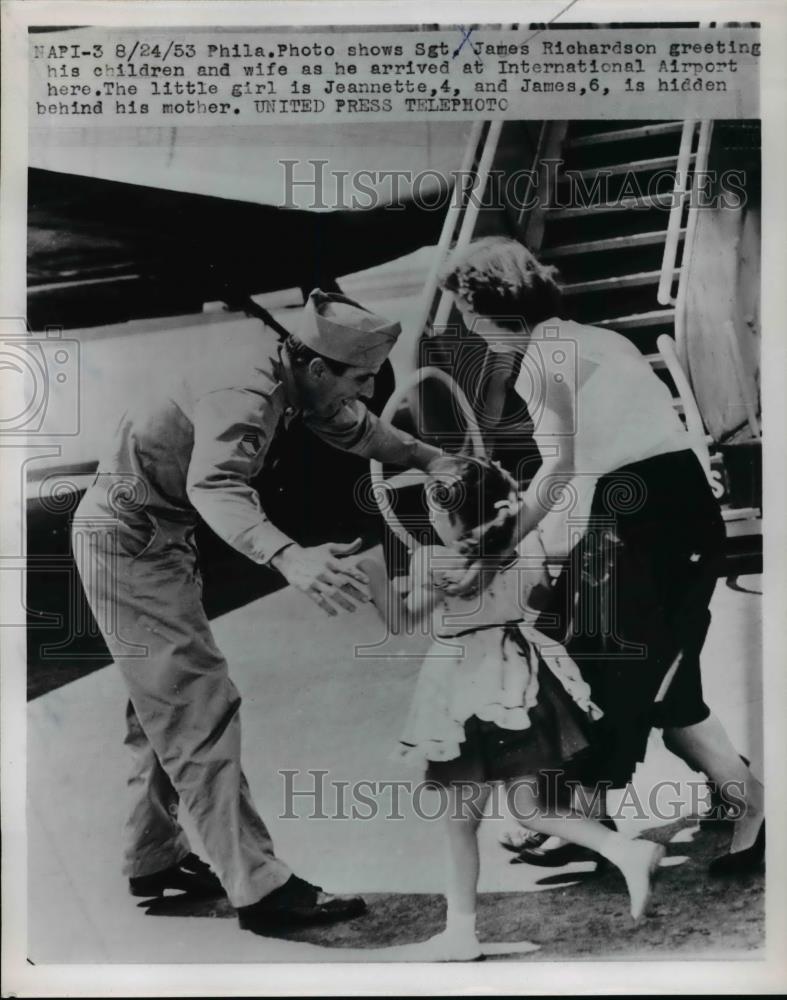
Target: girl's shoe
<point>744,862</point>
<point>445,947</point>
<point>638,861</point>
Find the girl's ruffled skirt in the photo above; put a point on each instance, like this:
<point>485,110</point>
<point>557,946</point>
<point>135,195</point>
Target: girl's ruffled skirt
<point>491,705</point>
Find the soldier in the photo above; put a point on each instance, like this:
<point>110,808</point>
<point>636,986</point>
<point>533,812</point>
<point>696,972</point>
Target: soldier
<point>193,451</point>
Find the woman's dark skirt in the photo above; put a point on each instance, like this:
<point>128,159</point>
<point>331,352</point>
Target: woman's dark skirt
<point>633,596</point>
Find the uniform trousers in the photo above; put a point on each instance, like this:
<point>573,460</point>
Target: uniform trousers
<point>141,578</point>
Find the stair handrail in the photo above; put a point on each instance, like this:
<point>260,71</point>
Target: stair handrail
<point>664,293</point>
<point>749,399</point>
<point>471,212</point>
<point>694,424</point>
<point>531,183</point>
<point>700,168</point>
<point>674,351</point>
<point>402,393</point>
<point>455,208</point>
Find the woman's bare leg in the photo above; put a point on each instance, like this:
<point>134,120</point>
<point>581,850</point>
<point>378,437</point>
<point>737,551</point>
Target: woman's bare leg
<point>706,747</point>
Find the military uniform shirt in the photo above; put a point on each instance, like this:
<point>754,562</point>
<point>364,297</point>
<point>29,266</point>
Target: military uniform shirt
<point>197,446</point>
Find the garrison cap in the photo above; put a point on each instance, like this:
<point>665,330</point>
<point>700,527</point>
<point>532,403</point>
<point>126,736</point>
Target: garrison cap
<point>343,330</point>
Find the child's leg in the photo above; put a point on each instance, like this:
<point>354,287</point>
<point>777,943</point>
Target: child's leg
<point>589,802</point>
<point>636,859</point>
<point>552,850</point>
<point>466,803</point>
<point>464,810</point>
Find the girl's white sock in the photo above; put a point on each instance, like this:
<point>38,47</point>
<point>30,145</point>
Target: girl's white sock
<point>459,924</point>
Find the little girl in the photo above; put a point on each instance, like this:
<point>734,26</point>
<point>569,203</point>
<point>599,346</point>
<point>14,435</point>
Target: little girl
<point>489,705</point>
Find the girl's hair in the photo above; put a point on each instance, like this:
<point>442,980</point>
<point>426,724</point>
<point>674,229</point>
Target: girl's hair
<point>500,279</point>
<point>467,489</point>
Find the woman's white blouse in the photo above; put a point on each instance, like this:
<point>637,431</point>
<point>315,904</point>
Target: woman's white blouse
<point>622,411</point>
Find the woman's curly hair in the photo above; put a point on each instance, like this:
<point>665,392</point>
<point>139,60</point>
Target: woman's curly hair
<point>500,279</point>
<point>468,490</point>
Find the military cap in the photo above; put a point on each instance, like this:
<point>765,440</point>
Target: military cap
<point>343,330</point>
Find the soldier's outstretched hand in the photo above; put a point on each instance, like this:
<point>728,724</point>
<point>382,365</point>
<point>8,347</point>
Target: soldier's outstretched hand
<point>324,573</point>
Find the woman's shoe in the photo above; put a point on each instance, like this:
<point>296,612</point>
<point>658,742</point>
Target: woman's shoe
<point>741,862</point>
<point>529,840</point>
<point>566,854</point>
<point>720,811</point>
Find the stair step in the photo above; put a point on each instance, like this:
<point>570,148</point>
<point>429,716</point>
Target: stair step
<point>741,513</point>
<point>636,321</point>
<point>626,205</point>
<point>613,243</point>
<point>627,167</point>
<point>588,126</point>
<point>618,281</point>
<point>621,135</point>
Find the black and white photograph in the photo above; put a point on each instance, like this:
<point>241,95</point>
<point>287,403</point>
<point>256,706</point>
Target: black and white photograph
<point>384,406</point>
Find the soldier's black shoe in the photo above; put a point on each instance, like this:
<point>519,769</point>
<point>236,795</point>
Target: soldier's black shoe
<point>190,875</point>
<point>297,902</point>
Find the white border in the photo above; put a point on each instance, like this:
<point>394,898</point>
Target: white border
<point>620,977</point>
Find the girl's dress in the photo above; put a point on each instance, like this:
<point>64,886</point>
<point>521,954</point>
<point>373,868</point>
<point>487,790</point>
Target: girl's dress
<point>495,699</point>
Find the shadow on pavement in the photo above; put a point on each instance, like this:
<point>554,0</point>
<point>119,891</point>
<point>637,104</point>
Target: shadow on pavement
<point>586,914</point>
